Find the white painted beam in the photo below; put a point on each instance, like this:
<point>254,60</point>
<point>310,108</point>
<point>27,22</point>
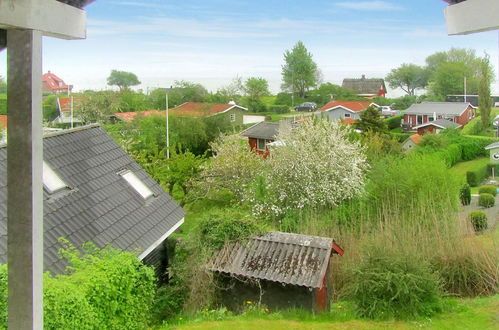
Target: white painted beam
<point>51,17</point>
<point>472,16</point>
<point>24,180</point>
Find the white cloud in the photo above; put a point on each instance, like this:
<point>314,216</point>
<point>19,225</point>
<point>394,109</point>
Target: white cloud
<point>369,5</point>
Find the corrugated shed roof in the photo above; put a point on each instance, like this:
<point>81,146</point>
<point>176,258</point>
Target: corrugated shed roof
<point>280,257</point>
<point>355,106</point>
<point>100,205</point>
<point>365,86</point>
<point>202,109</point>
<point>263,130</point>
<point>440,108</point>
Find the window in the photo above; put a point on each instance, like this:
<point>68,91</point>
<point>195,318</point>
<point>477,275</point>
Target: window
<point>261,144</point>
<point>137,184</point>
<point>431,118</point>
<point>51,181</point>
<point>420,119</point>
<point>347,115</point>
<point>232,117</point>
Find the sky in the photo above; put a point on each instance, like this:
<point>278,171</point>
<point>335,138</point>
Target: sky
<point>213,41</point>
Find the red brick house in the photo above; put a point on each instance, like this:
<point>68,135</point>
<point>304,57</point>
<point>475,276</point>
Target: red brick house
<point>55,85</point>
<point>422,113</point>
<point>260,135</point>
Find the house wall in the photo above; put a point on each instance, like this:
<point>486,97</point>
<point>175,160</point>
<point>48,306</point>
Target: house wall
<point>427,129</point>
<point>253,143</point>
<point>466,116</point>
<point>158,258</point>
<point>492,159</point>
<point>239,116</point>
<point>408,145</point>
<point>338,114</point>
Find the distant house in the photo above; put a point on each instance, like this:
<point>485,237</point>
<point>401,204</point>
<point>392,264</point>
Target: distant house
<point>412,142</point>
<point>435,126</point>
<point>422,113</point>
<point>365,87</point>
<point>130,116</point>
<point>260,135</point>
<point>55,85</point>
<point>232,111</point>
<point>94,191</point>
<point>347,111</point>
<point>280,270</point>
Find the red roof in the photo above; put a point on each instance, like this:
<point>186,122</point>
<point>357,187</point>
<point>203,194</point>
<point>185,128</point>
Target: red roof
<point>53,83</point>
<point>201,109</point>
<point>350,105</point>
<point>3,121</point>
<point>129,116</point>
<point>416,138</point>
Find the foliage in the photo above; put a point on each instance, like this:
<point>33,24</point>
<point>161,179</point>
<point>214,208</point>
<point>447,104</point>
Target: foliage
<point>50,108</point>
<point>186,91</point>
<point>394,122</point>
<point>96,106</point>
<point>486,200</point>
<point>474,127</point>
<point>408,77</point>
<point>484,97</point>
<point>327,92</point>
<point>380,145</point>
<point>489,189</point>
<point>389,284</point>
<point>371,121</point>
<point>465,194</point>
<point>103,289</point>
<point>3,104</point>
<point>475,176</point>
<point>478,220</point>
<point>4,294</point>
<point>317,164</point>
<point>299,71</point>
<point>436,141</point>
<point>402,103</point>
<point>134,101</point>
<point>181,170</point>
<point>230,92</point>
<point>3,85</point>
<point>122,79</point>
<point>255,88</point>
<point>279,108</point>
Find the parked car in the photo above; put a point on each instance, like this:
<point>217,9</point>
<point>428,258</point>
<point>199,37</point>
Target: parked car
<point>306,106</point>
<point>387,111</point>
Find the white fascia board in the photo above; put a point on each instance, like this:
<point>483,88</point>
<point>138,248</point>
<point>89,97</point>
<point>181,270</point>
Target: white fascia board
<point>341,107</point>
<point>160,240</point>
<point>52,18</point>
<point>472,16</point>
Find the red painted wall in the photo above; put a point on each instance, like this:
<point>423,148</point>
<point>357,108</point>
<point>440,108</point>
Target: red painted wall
<point>254,147</point>
<point>469,114</point>
<point>426,129</point>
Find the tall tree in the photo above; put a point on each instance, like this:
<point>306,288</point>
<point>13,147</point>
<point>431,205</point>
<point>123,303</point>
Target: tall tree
<point>371,121</point>
<point>122,79</point>
<point>408,77</point>
<point>186,91</point>
<point>255,88</point>
<point>299,71</point>
<point>484,97</point>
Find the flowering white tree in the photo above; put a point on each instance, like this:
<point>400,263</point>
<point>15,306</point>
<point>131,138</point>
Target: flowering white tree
<point>315,164</point>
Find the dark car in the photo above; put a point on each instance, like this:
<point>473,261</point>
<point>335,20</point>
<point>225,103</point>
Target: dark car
<point>306,106</point>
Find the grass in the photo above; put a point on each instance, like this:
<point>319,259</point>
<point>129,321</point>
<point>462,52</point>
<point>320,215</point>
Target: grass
<point>477,313</point>
<point>461,168</point>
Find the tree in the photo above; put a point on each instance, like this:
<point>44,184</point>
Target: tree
<point>186,91</point>
<point>182,170</point>
<point>408,77</point>
<point>327,92</point>
<point>371,121</point>
<point>448,79</point>
<point>484,97</point>
<point>122,79</point>
<point>299,71</point>
<point>3,85</point>
<point>96,106</point>
<point>230,92</point>
<point>255,88</point>
<point>316,164</point>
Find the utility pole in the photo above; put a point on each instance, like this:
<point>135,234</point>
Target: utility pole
<point>465,90</point>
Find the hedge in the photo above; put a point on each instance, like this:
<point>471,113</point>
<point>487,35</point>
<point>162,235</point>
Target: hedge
<point>489,189</point>
<point>279,108</point>
<point>475,177</point>
<point>474,127</point>
<point>401,137</point>
<point>465,194</point>
<point>478,220</point>
<point>394,122</point>
<point>486,200</point>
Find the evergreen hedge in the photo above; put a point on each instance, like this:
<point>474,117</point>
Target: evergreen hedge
<point>478,220</point>
<point>489,189</point>
<point>486,200</point>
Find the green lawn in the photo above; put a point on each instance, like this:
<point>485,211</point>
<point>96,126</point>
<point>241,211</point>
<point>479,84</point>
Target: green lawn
<point>477,313</point>
<point>463,167</point>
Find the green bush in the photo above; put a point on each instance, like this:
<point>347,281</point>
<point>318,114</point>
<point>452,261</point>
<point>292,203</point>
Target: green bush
<point>394,122</point>
<point>391,284</point>
<point>474,127</point>
<point>3,104</point>
<point>486,200</point>
<point>465,194</point>
<point>3,296</point>
<point>489,189</point>
<point>478,220</point>
<point>279,108</point>
<point>476,176</point>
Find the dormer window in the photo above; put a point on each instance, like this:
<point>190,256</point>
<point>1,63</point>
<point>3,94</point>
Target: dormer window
<point>137,184</point>
<point>51,181</point>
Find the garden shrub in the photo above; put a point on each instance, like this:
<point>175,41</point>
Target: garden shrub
<point>465,194</point>
<point>478,220</point>
<point>474,127</point>
<point>394,122</point>
<point>392,284</point>
<point>434,140</point>
<point>476,176</point>
<point>401,137</point>
<point>3,296</point>
<point>489,189</point>
<point>278,108</point>
<point>486,200</point>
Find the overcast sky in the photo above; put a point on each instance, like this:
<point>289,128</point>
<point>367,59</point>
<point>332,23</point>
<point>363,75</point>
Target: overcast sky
<point>213,41</point>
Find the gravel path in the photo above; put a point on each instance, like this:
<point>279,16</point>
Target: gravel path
<point>492,212</point>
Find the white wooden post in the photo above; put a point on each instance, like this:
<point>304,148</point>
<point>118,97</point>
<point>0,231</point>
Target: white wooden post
<point>24,179</point>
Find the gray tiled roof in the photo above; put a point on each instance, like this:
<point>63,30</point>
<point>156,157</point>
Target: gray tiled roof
<point>364,86</point>
<point>443,108</point>
<point>264,130</point>
<point>101,206</point>
<point>280,257</point>
<point>444,123</point>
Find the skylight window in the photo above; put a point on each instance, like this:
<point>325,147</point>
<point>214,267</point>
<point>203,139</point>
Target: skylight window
<point>137,184</point>
<point>51,181</point>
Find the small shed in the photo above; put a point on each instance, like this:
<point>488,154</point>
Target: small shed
<point>260,135</point>
<point>280,270</point>
<point>435,126</point>
<point>494,152</point>
<point>412,142</point>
